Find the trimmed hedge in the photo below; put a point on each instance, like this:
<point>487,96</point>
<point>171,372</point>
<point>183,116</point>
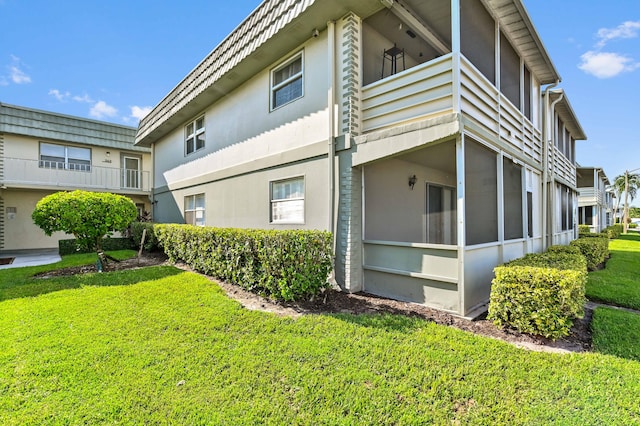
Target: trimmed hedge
<point>595,249</point>
<point>284,265</point>
<point>150,240</point>
<point>108,244</point>
<point>541,293</point>
<point>614,231</point>
<point>584,229</point>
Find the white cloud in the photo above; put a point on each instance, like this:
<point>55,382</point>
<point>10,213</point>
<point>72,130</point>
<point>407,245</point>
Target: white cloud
<point>628,29</point>
<point>102,110</point>
<point>140,112</point>
<point>60,96</point>
<point>16,75</point>
<point>606,64</point>
<point>83,98</point>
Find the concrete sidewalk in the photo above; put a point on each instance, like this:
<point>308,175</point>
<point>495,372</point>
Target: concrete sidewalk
<point>30,258</point>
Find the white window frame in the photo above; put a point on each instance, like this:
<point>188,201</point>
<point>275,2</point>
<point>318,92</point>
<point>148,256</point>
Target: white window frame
<point>290,80</point>
<point>274,203</point>
<point>195,134</point>
<point>197,211</point>
<point>67,163</point>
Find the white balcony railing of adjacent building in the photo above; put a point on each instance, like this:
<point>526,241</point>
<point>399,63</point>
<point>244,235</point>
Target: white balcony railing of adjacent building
<point>589,196</point>
<point>34,173</point>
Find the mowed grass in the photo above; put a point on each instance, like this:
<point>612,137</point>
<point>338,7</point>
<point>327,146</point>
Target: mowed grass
<point>618,283</point>
<point>162,346</point>
<point>616,332</point>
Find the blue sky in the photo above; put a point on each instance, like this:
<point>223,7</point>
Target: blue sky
<point>114,60</point>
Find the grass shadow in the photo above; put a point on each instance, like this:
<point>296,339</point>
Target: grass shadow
<point>384,321</point>
<point>36,286</point>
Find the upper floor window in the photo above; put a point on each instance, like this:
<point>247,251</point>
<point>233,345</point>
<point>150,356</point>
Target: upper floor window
<point>287,201</point>
<point>54,156</point>
<point>194,135</point>
<point>287,82</point>
<point>194,210</point>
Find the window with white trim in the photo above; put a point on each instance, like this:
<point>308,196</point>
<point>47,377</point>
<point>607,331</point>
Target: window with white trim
<point>287,82</point>
<point>287,201</point>
<point>194,210</point>
<point>194,136</point>
<point>54,156</point>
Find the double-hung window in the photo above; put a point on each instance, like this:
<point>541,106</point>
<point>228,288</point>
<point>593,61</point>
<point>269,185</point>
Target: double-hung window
<point>287,201</point>
<point>194,135</point>
<point>54,156</point>
<point>194,210</point>
<point>287,82</point>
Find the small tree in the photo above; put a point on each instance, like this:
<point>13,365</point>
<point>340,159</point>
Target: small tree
<point>89,216</point>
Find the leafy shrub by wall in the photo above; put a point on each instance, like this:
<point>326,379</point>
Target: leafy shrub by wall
<point>540,294</point>
<point>584,229</point>
<point>614,231</point>
<point>150,242</point>
<point>595,249</point>
<point>108,244</point>
<point>284,265</point>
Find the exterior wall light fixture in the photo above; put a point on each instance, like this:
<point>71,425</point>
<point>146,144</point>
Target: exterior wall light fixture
<point>412,181</point>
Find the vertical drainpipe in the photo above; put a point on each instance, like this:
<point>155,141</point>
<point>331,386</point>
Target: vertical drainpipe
<point>545,161</point>
<point>331,154</point>
<point>550,121</point>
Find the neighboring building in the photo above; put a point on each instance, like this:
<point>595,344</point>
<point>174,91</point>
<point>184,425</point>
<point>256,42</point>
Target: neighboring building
<point>595,203</point>
<point>414,130</point>
<point>43,152</point>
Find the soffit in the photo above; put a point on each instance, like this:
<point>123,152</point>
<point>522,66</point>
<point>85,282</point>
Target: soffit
<point>518,28</point>
<point>251,46</point>
<point>65,128</point>
<point>568,117</point>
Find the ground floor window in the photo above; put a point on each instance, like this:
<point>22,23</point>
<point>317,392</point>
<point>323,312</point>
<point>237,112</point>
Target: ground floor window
<point>512,189</point>
<point>194,210</point>
<point>441,215</point>
<point>481,193</point>
<point>585,215</point>
<point>287,200</point>
<point>565,208</point>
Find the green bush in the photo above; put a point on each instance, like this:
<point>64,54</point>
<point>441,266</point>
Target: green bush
<point>284,265</point>
<point>584,229</point>
<point>108,244</point>
<point>540,294</point>
<point>633,225</point>
<point>150,241</point>
<point>89,216</point>
<point>614,231</point>
<point>594,249</point>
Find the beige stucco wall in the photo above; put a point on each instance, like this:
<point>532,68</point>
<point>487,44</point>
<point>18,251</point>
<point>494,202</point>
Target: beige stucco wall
<point>241,127</point>
<point>20,233</point>
<point>243,201</point>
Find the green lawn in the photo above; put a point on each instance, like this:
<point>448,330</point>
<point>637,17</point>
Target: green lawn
<point>616,332</point>
<point>619,282</point>
<point>162,346</point>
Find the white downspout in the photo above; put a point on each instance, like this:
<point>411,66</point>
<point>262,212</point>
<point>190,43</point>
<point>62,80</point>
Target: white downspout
<point>545,161</point>
<point>331,149</point>
<point>553,156</point>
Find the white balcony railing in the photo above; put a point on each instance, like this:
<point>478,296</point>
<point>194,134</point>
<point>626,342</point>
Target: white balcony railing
<point>428,90</point>
<point>423,91</point>
<point>35,173</point>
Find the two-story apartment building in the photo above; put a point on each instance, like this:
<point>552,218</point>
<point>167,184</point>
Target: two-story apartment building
<point>43,152</point>
<point>427,135</point>
<point>595,203</point>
